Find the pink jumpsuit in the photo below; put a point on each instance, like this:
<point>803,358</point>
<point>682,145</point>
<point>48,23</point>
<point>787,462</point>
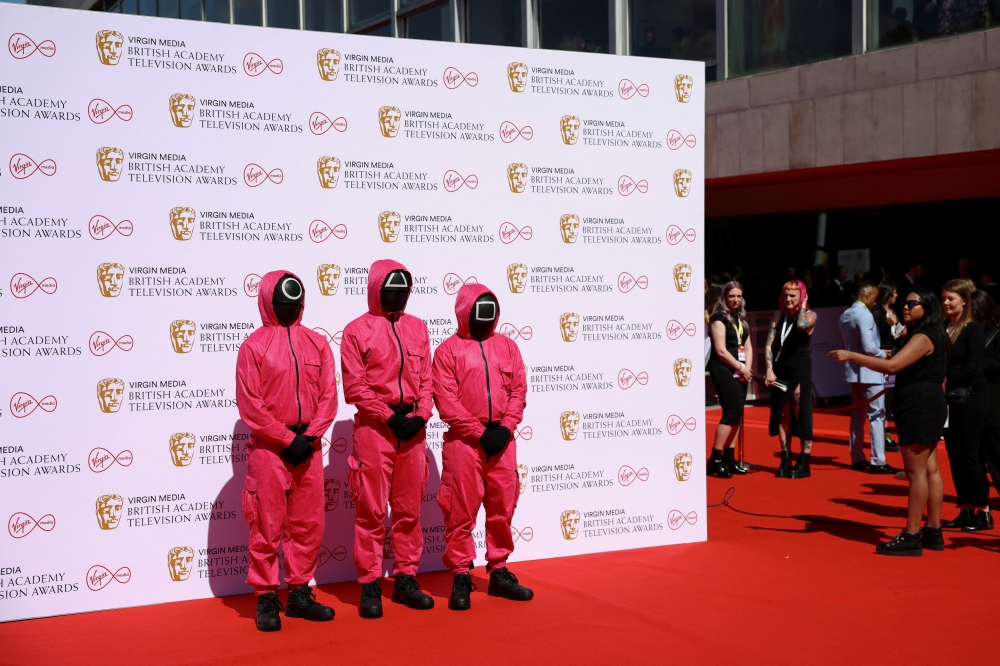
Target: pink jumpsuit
<point>475,383</point>
<point>285,376</point>
<point>386,362</point>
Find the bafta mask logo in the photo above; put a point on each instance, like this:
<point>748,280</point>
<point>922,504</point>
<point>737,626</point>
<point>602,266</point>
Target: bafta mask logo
<point>388,226</point>
<point>328,278</point>
<point>109,511</point>
<point>522,477</point>
<point>569,521</point>
<point>109,163</point>
<point>328,62</point>
<point>182,335</point>
<point>180,561</point>
<point>182,448</point>
<point>682,371</point>
<point>517,278</point>
<point>110,394</point>
<point>517,76</point>
<point>570,128</point>
<point>682,277</point>
<point>182,222</point>
<point>682,88</point>
<point>569,227</point>
<point>682,182</point>
<point>569,425</point>
<point>331,493</point>
<point>110,278</point>
<point>517,177</point>
<point>569,326</point>
<point>682,466</point>
<point>109,46</point>
<point>388,121</point>
<point>181,109</point>
<point>328,170</point>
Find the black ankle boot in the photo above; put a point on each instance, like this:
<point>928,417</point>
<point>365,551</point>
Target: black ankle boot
<point>504,584</point>
<point>406,591</point>
<point>931,538</point>
<point>371,600</point>
<point>785,468</point>
<point>268,606</point>
<point>801,469</point>
<point>716,466</point>
<point>902,544</point>
<point>963,518</point>
<point>729,458</point>
<point>983,520</point>
<point>302,603</point>
<point>460,591</point>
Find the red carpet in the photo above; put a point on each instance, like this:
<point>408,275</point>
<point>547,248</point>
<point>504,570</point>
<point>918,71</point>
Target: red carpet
<point>761,591</point>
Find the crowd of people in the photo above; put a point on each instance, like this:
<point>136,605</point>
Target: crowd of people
<point>932,363</point>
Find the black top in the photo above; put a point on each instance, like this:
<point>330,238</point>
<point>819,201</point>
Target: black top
<point>733,342</point>
<point>991,370</point>
<point>965,367</point>
<point>930,368</point>
<point>797,341</point>
<point>884,328</point>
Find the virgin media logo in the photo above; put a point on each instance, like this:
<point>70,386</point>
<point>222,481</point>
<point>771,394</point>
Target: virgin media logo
<point>101,228</point>
<point>255,65</point>
<point>627,283</point>
<point>254,175</point>
<point>251,283</point>
<point>101,112</point>
<point>676,140</point>
<point>454,181</point>
<point>101,460</point>
<point>22,166</point>
<point>24,404</point>
<point>21,524</point>
<point>510,233</point>
<point>626,475</point>
<point>524,432</point>
<point>331,339</point>
<point>525,533</point>
<point>453,282</point>
<point>627,379</point>
<point>628,90</point>
<point>454,78</point>
<point>338,554</point>
<point>21,46</point>
<point>320,123</point>
<point>675,329</point>
<point>339,445</point>
<point>513,332</point>
<point>627,185</point>
<point>23,285</point>
<point>676,519</point>
<point>676,424</point>
<point>102,343</point>
<point>675,234</point>
<point>510,132</point>
<point>99,577</point>
<point>320,231</point>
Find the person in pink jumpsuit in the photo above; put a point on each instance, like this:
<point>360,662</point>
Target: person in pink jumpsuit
<point>286,392</point>
<point>385,355</point>
<point>479,389</point>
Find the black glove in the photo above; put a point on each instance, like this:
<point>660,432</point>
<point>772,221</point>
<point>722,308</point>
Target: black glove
<point>396,423</point>
<point>494,441</point>
<point>299,450</point>
<point>411,428</point>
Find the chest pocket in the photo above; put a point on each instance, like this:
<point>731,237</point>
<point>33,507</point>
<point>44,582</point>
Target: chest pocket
<point>313,370</point>
<point>414,360</point>
<point>506,374</point>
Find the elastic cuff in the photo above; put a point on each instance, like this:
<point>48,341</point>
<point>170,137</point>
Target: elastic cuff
<point>408,570</point>
<point>499,564</point>
<point>369,578</point>
<point>264,590</point>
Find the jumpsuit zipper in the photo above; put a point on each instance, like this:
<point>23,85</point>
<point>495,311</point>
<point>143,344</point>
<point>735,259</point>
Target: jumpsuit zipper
<point>295,358</point>
<point>489,395</point>
<point>402,362</point>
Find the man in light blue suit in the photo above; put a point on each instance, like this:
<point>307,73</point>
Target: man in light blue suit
<point>858,332</point>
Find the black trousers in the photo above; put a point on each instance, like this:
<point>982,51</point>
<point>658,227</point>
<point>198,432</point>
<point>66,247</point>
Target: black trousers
<point>989,453</point>
<point>961,439</point>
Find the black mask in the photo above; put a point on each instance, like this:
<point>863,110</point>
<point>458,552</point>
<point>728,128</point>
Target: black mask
<point>395,292</point>
<point>287,300</point>
<point>483,317</point>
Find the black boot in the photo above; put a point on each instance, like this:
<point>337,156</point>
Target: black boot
<point>716,466</point>
<point>406,591</point>
<point>268,606</point>
<point>983,520</point>
<point>801,469</point>
<point>729,459</point>
<point>460,591</point>
<point>963,518</point>
<point>785,468</point>
<point>902,544</point>
<point>302,603</point>
<point>504,584</point>
<point>371,600</point>
<point>931,538</point>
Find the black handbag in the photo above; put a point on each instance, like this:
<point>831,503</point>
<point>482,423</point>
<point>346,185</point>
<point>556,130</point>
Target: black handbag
<point>956,397</point>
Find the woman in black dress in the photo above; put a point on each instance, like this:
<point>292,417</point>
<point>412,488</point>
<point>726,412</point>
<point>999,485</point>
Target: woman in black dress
<point>789,376</point>
<point>729,365</point>
<point>886,323</point>
<point>966,417</point>
<point>986,312</point>
<point>921,411</point>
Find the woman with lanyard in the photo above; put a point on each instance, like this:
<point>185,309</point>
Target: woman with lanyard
<point>789,374</point>
<point>729,366</point>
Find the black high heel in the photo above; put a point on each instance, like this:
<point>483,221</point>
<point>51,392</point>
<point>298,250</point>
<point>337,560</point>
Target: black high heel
<point>963,518</point>
<point>729,458</point>
<point>717,466</point>
<point>983,520</point>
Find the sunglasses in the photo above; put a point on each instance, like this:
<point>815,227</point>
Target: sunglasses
<point>912,304</point>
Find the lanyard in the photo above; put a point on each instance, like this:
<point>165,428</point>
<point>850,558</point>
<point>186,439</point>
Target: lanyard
<point>739,331</point>
<point>786,328</point>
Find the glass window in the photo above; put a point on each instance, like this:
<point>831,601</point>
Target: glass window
<point>770,34</point>
<point>494,22</point>
<point>247,12</point>
<point>282,14</point>
<point>130,7</point>
<point>683,30</point>
<point>575,25</point>
<point>167,8</point>
<point>384,30</point>
<point>434,23</point>
<point>191,10</point>
<point>217,11</point>
<point>360,11</point>
<point>323,15</point>
<point>147,7</point>
<point>895,22</point>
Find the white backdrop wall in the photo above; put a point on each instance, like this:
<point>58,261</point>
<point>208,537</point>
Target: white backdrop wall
<point>151,170</point>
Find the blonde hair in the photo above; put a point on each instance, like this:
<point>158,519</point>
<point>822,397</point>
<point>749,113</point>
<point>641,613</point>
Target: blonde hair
<point>964,289</point>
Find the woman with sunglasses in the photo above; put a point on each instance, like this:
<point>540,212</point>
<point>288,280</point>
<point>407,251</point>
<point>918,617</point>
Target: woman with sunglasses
<point>920,415</point>
<point>729,365</point>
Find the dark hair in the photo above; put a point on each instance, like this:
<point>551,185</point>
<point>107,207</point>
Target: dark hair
<point>932,323</point>
<point>864,286</point>
<point>984,309</point>
<point>885,290</point>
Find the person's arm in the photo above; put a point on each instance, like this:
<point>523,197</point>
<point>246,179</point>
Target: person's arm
<point>425,399</point>
<point>250,403</point>
<point>357,391</point>
<point>446,397</point>
<point>517,396</point>
<point>748,366</point>
<point>972,337</point>
<point>991,361</point>
<point>918,347</point>
<point>869,336</point>
<point>326,407</point>
<point>769,376</point>
<point>718,331</point>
